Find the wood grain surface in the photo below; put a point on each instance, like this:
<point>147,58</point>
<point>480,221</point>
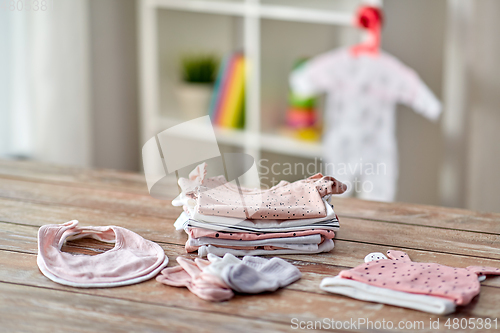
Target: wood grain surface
<point>33,194</point>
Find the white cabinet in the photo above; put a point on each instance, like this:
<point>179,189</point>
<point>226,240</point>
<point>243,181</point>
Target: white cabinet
<point>272,33</point>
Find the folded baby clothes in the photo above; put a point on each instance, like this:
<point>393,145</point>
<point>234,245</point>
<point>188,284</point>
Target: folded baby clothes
<point>244,236</point>
<point>204,250</point>
<point>301,199</point>
<point>215,224</point>
<point>257,227</point>
<point>398,281</point>
<point>190,208</point>
<point>258,237</point>
<point>216,279</point>
<point>289,243</point>
<point>133,258</point>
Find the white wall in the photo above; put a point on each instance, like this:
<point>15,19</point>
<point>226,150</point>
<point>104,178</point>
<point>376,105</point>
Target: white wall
<point>484,110</point>
<point>114,84</point>
<point>414,32</point>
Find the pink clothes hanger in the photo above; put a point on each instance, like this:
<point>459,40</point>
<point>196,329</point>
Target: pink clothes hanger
<point>371,19</point>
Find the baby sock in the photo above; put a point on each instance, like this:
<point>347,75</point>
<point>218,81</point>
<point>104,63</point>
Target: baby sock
<point>254,262</point>
<point>218,264</point>
<point>245,279</point>
<point>284,271</point>
<point>254,276</point>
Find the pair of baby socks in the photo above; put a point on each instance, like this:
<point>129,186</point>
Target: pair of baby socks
<point>216,278</point>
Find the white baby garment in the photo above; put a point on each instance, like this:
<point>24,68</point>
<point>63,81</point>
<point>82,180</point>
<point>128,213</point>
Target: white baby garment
<point>366,292</point>
<point>362,91</point>
<point>204,250</point>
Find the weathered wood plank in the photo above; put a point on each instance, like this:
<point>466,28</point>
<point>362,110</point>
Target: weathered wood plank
<point>124,203</point>
<point>444,217</point>
<point>30,309</point>
<point>421,237</point>
<point>77,176</point>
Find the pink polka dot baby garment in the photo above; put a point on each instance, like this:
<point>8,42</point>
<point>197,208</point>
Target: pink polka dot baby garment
<point>398,281</point>
<point>399,273</point>
<point>301,199</point>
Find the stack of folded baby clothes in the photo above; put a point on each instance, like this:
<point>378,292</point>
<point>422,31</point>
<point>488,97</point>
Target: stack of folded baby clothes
<point>289,218</point>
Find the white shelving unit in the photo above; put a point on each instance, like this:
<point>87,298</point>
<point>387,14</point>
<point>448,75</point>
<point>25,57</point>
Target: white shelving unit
<point>252,139</point>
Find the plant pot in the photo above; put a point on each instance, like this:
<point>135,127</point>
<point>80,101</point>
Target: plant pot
<point>194,99</point>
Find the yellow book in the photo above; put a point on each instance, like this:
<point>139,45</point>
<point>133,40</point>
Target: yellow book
<point>237,120</point>
<point>230,106</point>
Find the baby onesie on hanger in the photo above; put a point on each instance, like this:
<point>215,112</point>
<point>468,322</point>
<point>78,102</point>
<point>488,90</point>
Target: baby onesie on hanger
<point>362,92</point>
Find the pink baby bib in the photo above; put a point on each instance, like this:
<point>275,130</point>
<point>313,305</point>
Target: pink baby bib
<point>132,260</point>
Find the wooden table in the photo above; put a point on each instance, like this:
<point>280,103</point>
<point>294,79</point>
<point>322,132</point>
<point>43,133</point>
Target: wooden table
<point>33,194</point>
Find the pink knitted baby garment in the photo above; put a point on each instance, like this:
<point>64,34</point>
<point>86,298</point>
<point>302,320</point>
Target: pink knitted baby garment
<point>400,273</point>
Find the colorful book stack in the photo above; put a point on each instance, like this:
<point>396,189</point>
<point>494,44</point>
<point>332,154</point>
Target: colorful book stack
<point>301,116</point>
<point>227,107</point>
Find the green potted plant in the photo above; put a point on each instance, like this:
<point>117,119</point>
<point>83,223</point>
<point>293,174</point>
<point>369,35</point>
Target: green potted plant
<point>197,77</point>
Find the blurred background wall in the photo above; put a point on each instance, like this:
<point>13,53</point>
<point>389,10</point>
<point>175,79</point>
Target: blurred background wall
<point>113,48</point>
<point>88,112</point>
<point>483,148</point>
<point>414,32</point>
